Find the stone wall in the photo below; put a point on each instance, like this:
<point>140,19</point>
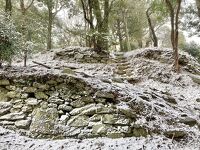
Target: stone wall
<point>61,107</point>
<point>82,55</point>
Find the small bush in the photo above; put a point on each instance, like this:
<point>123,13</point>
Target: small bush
<point>10,41</point>
<point>193,49</point>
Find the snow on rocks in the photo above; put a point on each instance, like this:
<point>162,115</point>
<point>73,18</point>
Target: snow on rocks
<point>135,94</point>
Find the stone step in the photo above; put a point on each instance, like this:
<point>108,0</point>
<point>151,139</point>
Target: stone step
<point>119,54</point>
<point>132,79</point>
<point>129,71</point>
<point>123,64</point>
<point>120,72</point>
<point>120,58</point>
<point>122,67</point>
<point>129,74</point>
<point>121,61</point>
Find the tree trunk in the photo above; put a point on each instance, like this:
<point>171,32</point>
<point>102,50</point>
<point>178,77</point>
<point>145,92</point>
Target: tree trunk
<point>8,7</point>
<point>23,12</point>
<point>120,35</point>
<point>99,26</point>
<point>50,23</point>
<point>91,18</point>
<point>25,32</point>
<point>98,40</point>
<point>198,7</point>
<point>102,24</point>
<point>87,7</point>
<point>174,16</point>
<point>152,31</point>
<point>177,67</point>
<point>128,45</point>
<point>105,24</point>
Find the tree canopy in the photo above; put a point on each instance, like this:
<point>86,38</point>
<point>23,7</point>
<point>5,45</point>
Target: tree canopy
<point>119,25</point>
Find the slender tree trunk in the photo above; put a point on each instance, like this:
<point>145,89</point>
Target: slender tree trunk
<point>176,36</point>
<point>87,28</point>
<point>120,35</point>
<point>50,23</point>
<point>92,40</point>
<point>128,45</point>
<point>8,7</point>
<point>26,32</point>
<point>174,15</point>
<point>87,38</point>
<point>23,12</point>
<point>106,24</point>
<point>88,16</point>
<point>154,37</point>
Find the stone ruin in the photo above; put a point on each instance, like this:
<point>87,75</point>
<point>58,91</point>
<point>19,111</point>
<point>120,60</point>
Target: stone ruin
<point>138,100</point>
<point>61,107</point>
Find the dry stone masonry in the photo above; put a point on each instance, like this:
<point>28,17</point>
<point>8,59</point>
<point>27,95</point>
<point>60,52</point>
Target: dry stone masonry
<point>82,55</point>
<point>135,94</point>
<point>60,107</point>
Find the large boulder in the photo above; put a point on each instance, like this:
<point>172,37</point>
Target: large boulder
<point>44,121</point>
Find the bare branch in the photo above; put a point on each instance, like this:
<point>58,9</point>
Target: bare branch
<point>29,5</point>
<point>85,14</point>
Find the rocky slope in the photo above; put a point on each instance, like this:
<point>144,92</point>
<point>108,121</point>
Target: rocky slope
<point>134,94</point>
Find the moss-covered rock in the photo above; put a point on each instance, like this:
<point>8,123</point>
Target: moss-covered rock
<point>44,121</point>
<point>77,111</point>
<point>30,89</point>
<point>40,86</point>
<point>4,82</point>
<point>115,135</point>
<point>115,119</point>
<point>175,134</point>
<point>41,95</point>
<point>100,129</point>
<point>77,103</point>
<point>78,121</point>
<point>102,94</point>
<point>140,131</point>
<point>68,71</point>
<point>3,94</point>
<point>13,94</point>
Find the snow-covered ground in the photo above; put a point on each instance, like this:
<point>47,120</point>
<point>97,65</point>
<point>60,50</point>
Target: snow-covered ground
<point>155,78</point>
<point>12,141</point>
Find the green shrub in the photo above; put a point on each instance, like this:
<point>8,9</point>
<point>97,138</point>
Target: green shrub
<point>10,41</point>
<point>193,49</point>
